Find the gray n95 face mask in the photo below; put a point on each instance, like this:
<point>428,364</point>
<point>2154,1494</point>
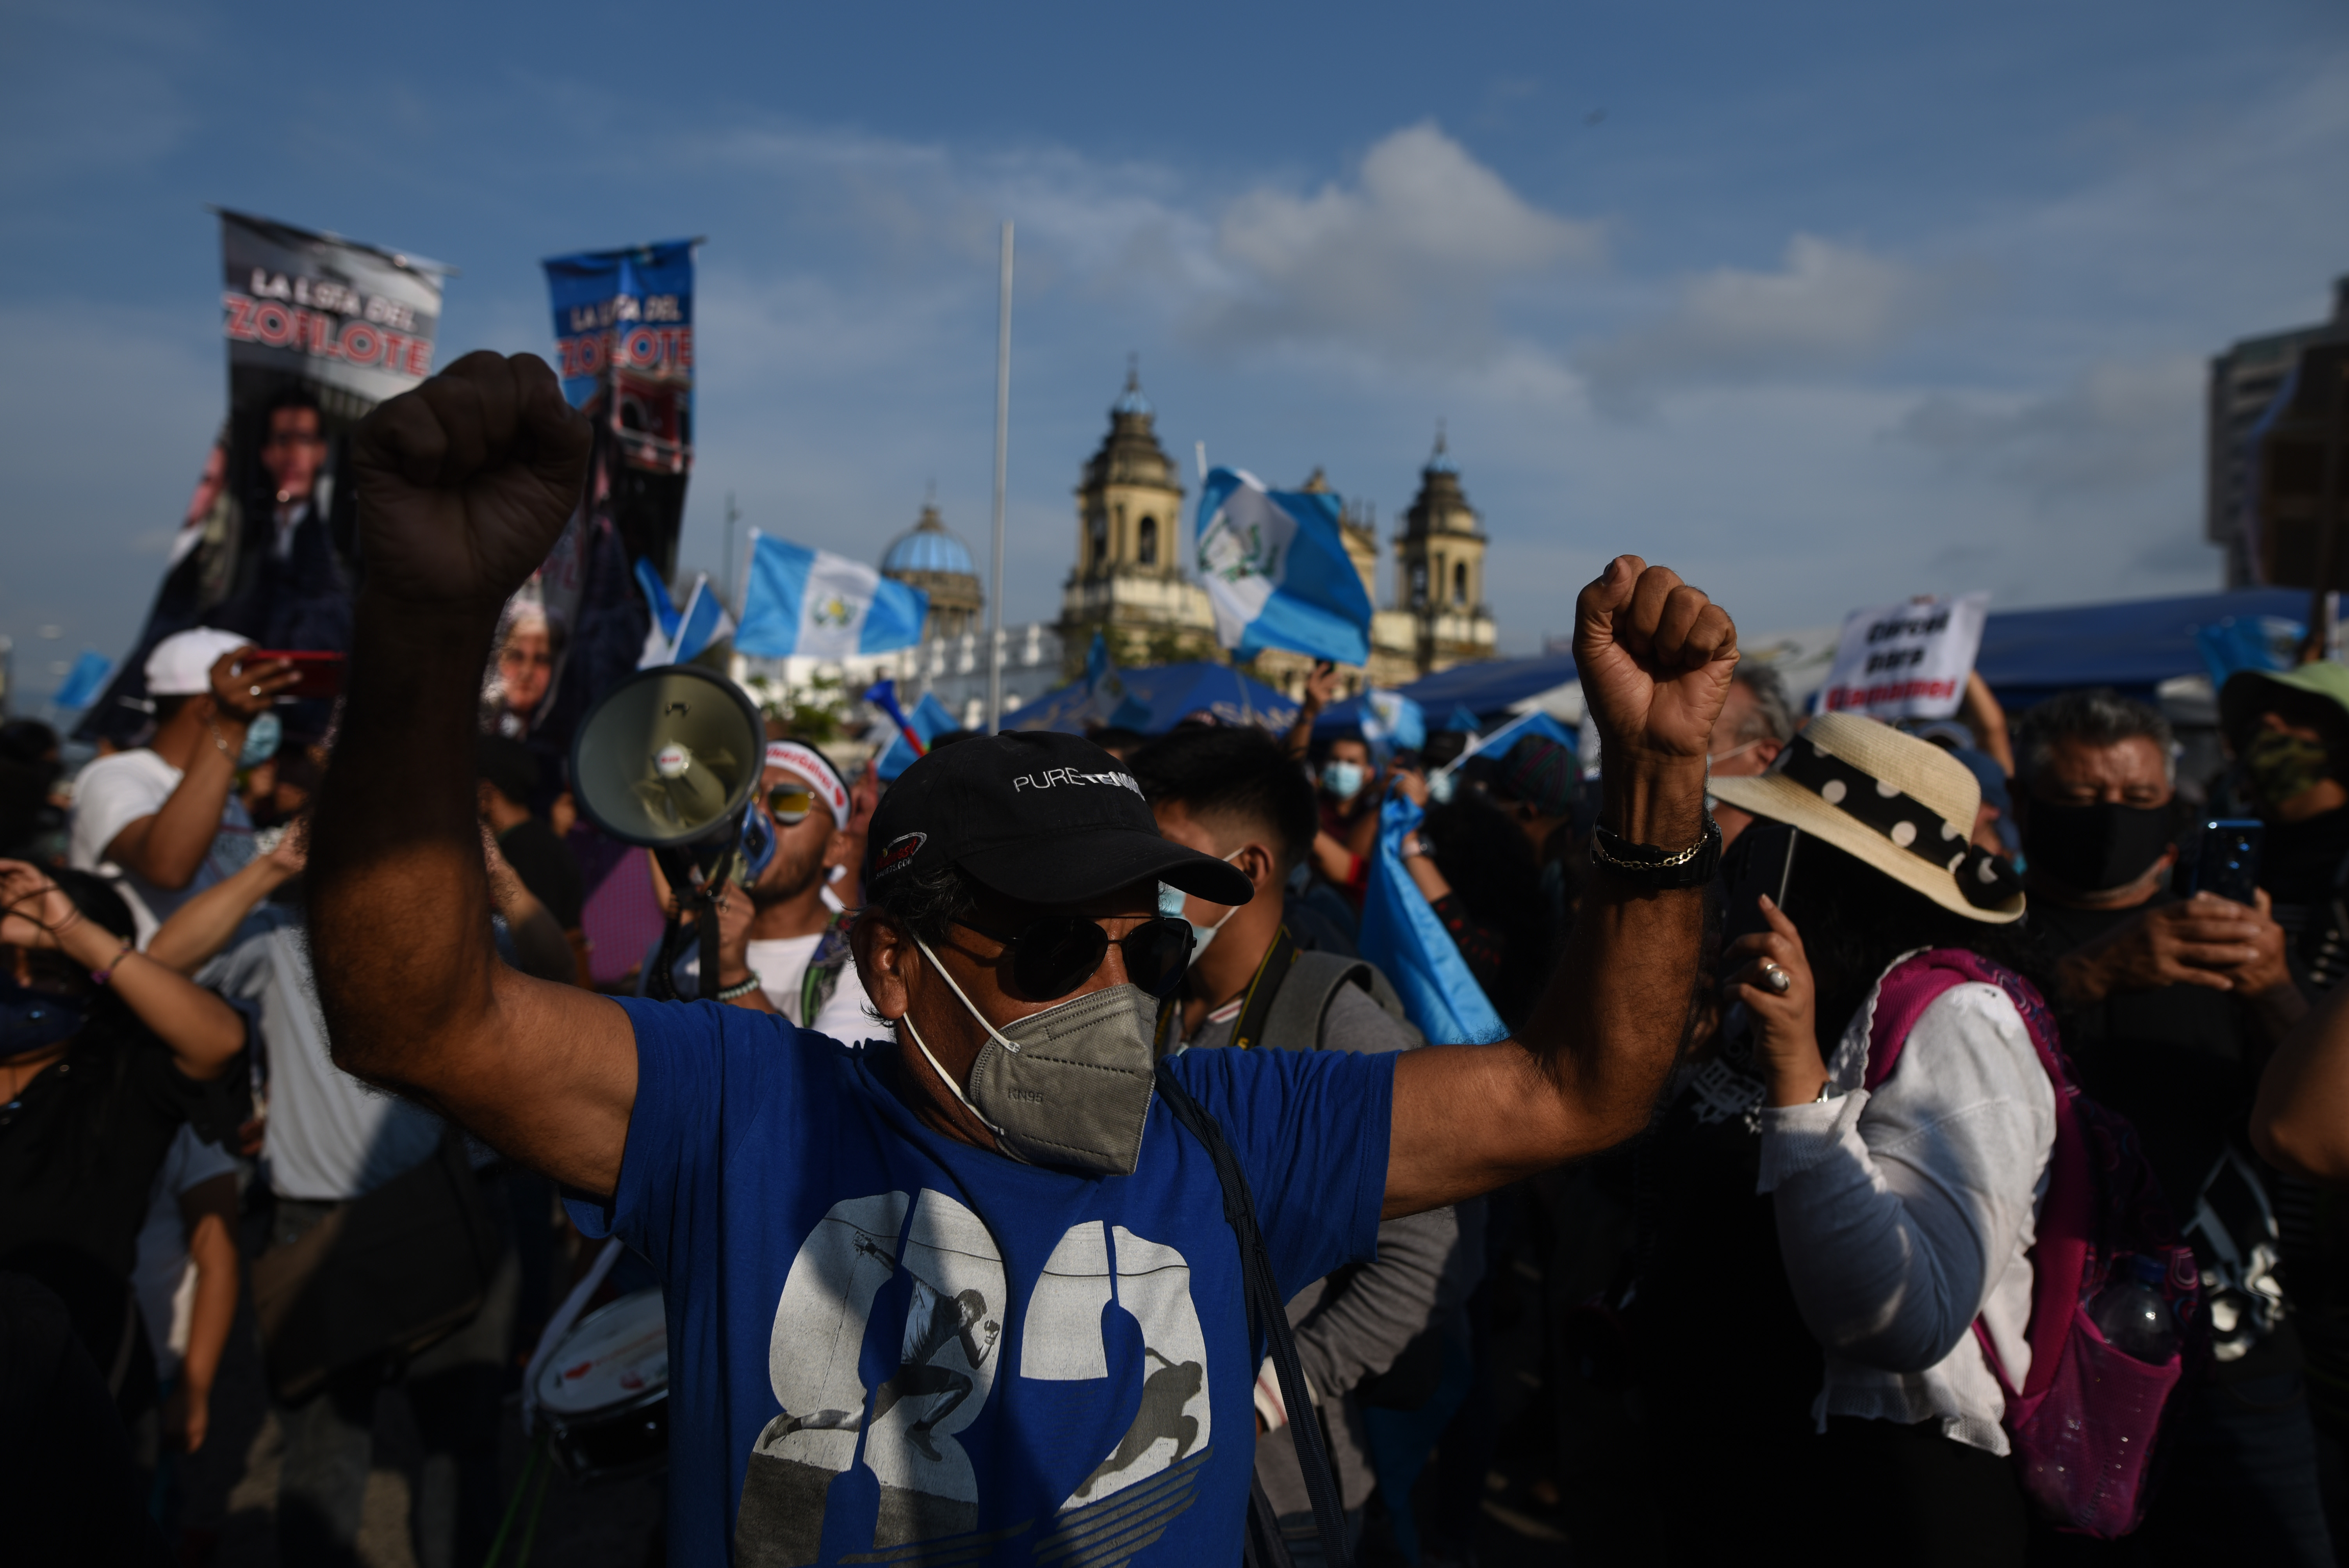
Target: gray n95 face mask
<point>1068,1086</point>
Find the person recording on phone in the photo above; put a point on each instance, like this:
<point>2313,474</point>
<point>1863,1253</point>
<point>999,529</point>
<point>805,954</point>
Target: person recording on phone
<point>2171,1005</point>
<point>1012,893</point>
<point>161,820</point>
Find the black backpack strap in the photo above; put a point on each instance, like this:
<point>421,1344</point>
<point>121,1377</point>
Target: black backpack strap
<point>1278,959</point>
<point>1267,1315</point>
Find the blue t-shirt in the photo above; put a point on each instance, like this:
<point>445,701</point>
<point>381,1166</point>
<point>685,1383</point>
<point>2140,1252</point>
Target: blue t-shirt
<point>880,1337</point>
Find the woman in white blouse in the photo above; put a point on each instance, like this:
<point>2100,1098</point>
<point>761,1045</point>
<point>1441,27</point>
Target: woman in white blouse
<point>1901,1214</point>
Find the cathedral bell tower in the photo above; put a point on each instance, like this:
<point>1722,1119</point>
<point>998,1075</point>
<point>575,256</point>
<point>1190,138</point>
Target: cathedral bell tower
<point>1128,581</point>
<point>1440,557</point>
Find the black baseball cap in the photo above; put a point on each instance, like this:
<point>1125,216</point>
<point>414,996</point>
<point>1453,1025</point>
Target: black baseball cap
<point>1038,816</point>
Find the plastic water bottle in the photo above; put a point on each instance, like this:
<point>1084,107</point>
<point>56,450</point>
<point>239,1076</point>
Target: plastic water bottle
<point>2133,1314</point>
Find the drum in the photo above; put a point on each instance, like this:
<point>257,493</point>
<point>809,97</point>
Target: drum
<point>603,1394</point>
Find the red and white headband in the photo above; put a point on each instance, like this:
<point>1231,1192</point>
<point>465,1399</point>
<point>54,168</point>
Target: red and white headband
<point>821,775</point>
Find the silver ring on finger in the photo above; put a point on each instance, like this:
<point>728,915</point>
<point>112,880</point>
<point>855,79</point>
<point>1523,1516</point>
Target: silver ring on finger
<point>1777,979</point>
<point>254,690</point>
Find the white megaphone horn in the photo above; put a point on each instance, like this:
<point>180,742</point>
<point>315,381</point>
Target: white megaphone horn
<point>670,760</point>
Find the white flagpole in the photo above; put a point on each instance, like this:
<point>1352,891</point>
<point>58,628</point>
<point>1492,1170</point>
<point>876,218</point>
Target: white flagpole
<point>1002,435</point>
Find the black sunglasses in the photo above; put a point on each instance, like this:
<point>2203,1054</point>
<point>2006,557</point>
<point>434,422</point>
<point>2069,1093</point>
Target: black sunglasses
<point>1052,956</point>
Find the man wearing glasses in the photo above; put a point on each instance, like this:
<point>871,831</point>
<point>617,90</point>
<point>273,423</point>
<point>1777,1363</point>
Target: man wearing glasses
<point>1005,1142</point>
<point>782,945</point>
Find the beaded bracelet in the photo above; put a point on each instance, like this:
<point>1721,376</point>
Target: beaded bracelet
<point>106,976</point>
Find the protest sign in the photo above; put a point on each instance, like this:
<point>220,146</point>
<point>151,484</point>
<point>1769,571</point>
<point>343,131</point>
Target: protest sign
<point>1906,661</point>
<point>623,350</point>
<point>320,329</point>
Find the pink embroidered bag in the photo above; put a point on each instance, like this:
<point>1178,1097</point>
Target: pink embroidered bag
<point>2086,1422</point>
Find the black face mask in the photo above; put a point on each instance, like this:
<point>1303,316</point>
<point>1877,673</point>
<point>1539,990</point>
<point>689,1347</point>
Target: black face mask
<point>2094,849</point>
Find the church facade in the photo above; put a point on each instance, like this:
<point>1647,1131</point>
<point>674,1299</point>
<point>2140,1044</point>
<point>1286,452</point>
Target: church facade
<point>1130,583</point>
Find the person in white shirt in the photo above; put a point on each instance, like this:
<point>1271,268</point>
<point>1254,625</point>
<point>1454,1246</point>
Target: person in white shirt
<point>1817,1252</point>
<point>162,821</point>
<point>784,948</point>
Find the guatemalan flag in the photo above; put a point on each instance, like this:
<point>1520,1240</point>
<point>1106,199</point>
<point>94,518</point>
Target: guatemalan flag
<point>820,605</point>
<point>677,636</point>
<point>1391,722</point>
<point>1277,571</point>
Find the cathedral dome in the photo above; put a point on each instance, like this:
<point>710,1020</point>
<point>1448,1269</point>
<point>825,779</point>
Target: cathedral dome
<point>929,546</point>
<point>927,557</point>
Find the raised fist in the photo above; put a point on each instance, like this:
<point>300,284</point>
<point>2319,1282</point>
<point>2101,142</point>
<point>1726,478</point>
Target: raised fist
<point>1655,657</point>
<point>465,483</point>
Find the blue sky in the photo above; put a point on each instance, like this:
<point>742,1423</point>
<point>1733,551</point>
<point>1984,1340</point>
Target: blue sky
<point>1824,303</point>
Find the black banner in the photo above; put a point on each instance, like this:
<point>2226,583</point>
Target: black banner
<point>320,329</point>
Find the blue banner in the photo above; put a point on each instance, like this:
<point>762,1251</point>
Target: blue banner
<point>628,310</point>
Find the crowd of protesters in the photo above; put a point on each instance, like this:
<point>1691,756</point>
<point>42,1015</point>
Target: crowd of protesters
<point>1793,1317</point>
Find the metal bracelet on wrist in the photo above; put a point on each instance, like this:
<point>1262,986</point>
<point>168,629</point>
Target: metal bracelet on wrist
<point>740,988</point>
<point>1651,867</point>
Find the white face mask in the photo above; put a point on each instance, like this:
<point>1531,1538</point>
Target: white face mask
<point>1342,780</point>
<point>1171,904</point>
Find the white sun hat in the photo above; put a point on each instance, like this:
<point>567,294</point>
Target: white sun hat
<point>1903,805</point>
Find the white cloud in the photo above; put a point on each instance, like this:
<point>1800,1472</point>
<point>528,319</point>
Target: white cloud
<point>2115,429</point>
<point>1408,257</point>
<point>1829,308</point>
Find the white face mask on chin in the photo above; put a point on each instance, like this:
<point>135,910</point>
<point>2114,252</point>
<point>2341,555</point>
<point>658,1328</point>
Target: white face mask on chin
<point>1171,904</point>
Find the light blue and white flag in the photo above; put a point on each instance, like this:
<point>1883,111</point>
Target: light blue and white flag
<point>679,635</point>
<point>663,608</point>
<point>820,605</point>
<point>1391,722</point>
<point>85,680</point>
<point>1113,704</point>
<point>930,720</point>
<point>1403,935</point>
<point>2239,643</point>
<point>1277,571</point>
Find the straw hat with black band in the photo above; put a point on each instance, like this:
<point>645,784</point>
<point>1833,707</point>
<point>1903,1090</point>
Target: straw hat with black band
<point>1902,805</point>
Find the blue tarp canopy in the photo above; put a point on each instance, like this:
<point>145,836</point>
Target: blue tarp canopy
<point>1485,689</point>
<point>1172,691</point>
<point>2027,656</point>
<point>2133,647</point>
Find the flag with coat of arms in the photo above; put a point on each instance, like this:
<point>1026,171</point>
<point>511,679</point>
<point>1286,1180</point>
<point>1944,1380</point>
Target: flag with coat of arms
<point>1277,573</point>
<point>819,605</point>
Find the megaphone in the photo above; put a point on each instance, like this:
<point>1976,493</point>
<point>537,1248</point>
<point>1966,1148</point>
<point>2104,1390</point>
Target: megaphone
<point>670,760</point>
